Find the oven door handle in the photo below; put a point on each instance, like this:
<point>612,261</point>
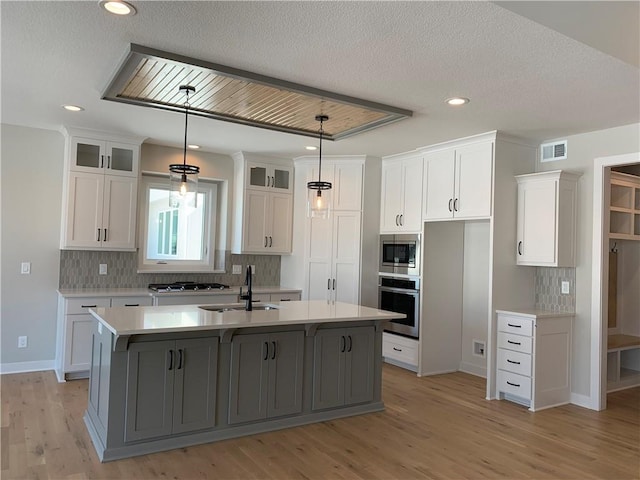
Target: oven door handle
<point>399,290</point>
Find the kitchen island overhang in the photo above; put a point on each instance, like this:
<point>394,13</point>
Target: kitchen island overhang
<point>174,376</point>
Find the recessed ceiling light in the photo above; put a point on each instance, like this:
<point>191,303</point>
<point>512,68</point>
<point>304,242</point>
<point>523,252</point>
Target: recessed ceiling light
<point>457,101</point>
<point>118,7</point>
<point>73,108</point>
<point>311,147</point>
<point>194,147</point>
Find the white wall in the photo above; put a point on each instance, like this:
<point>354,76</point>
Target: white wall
<point>31,180</point>
<point>581,151</point>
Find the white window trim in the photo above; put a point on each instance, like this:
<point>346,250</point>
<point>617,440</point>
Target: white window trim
<point>176,266</point>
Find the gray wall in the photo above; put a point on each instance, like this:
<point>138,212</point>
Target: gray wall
<point>581,151</point>
<point>31,179</point>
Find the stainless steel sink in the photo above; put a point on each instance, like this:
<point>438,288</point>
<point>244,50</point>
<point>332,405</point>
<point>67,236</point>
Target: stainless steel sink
<point>237,306</point>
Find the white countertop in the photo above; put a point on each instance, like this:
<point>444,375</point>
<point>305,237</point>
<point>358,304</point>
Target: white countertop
<point>535,313</point>
<point>181,318</point>
<point>141,292</point>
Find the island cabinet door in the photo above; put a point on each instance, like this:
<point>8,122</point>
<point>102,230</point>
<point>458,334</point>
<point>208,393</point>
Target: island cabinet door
<point>194,397</point>
<point>359,365</point>
<point>328,368</point>
<point>248,378</point>
<point>286,363</point>
<point>150,390</point>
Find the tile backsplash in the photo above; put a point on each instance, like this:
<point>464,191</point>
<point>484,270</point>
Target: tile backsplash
<point>79,269</point>
<point>548,285</point>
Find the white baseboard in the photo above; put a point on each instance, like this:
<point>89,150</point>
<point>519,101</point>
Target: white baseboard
<point>582,401</point>
<point>24,367</point>
<point>472,369</point>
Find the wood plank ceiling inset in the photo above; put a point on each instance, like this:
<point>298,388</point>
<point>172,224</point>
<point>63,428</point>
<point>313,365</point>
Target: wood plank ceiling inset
<point>154,80</point>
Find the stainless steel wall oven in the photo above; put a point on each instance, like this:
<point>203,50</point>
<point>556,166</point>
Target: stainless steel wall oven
<point>402,295</point>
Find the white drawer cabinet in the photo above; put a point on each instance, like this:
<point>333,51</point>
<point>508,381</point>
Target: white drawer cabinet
<point>533,356</point>
<point>75,327</point>
<point>400,351</point>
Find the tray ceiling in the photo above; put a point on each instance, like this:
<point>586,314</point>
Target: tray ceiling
<point>151,78</point>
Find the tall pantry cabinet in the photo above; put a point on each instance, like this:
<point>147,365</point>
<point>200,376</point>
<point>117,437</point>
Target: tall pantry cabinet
<point>336,258</point>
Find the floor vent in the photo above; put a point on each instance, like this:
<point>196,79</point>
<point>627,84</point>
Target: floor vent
<point>550,152</point>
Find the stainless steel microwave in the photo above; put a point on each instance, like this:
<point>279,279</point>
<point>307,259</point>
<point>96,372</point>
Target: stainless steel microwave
<point>400,254</point>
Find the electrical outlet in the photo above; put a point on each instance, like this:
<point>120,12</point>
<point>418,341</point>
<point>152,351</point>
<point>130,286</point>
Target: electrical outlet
<point>478,348</point>
<point>103,269</point>
<point>565,287</point>
<point>237,269</point>
<point>253,269</point>
<point>22,341</point>
<point>25,268</point>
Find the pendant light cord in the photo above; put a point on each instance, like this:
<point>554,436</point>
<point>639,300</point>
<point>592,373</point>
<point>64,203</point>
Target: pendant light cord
<point>320,153</point>
<point>186,123</point>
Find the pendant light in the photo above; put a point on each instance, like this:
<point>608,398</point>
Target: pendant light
<point>183,178</point>
<point>319,194</point>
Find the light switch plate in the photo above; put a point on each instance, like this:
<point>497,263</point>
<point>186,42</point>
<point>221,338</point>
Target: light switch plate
<point>565,287</point>
<point>25,268</point>
<point>103,269</point>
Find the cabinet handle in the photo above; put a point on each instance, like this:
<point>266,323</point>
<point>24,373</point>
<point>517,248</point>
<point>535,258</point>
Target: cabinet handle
<point>268,180</point>
<point>350,343</point>
<point>108,161</point>
<point>89,306</point>
<point>105,235</point>
<point>328,284</point>
<point>401,219</point>
<point>513,384</point>
<point>270,241</point>
<point>285,299</point>
<point>344,344</point>
<point>99,234</point>
<point>397,349</point>
<point>514,326</point>
<point>265,241</point>
<point>170,359</point>
<point>131,304</point>
<point>273,357</point>
<point>511,361</point>
<point>334,284</point>
<point>455,205</point>
<point>180,353</point>
<point>266,350</point>
<point>520,247</point>
<point>273,181</point>
<point>101,161</point>
<point>513,343</point>
<point>450,200</point>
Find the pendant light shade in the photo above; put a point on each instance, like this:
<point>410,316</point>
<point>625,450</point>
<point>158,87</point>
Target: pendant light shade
<point>319,192</point>
<point>183,178</point>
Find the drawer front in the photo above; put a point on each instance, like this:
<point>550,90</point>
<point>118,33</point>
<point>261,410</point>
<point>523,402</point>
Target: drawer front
<point>514,384</point>
<point>517,325</point>
<point>82,305</point>
<point>284,297</point>
<point>400,350</point>
<point>131,301</point>
<point>515,362</point>
<point>518,343</point>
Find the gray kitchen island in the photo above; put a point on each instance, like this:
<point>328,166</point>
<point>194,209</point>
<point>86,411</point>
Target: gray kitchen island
<point>174,376</point>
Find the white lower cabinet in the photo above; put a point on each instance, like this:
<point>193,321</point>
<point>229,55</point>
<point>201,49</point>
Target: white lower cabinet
<point>401,351</point>
<point>533,358</point>
<point>74,331</point>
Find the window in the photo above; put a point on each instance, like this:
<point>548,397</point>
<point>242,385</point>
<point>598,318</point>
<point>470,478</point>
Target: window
<point>176,239</point>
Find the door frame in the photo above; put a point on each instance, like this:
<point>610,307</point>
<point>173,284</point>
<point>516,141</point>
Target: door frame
<point>599,274</point>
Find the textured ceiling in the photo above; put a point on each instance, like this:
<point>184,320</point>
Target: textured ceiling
<point>522,77</point>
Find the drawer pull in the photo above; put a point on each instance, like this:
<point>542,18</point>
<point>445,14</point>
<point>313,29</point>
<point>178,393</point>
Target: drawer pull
<point>514,343</point>
<point>513,384</point>
<point>514,326</point>
<point>89,306</point>
<point>131,304</point>
<point>514,362</point>
<point>397,349</point>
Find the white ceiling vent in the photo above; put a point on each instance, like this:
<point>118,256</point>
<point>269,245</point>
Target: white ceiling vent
<point>550,152</point>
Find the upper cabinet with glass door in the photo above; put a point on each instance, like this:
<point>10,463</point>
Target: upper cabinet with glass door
<point>269,177</point>
<point>101,156</point>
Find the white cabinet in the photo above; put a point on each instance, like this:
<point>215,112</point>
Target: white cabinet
<point>400,210</point>
<point>458,182</point>
<point>75,327</point>
<point>333,260</point>
<point>346,183</point>
<point>100,192</point>
<point>400,351</point>
<point>546,221</point>
<point>263,206</point>
<point>533,365</point>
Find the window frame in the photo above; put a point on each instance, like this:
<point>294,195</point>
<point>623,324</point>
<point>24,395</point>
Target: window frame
<point>207,263</point>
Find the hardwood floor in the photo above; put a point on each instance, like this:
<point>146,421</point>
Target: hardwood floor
<point>436,427</point>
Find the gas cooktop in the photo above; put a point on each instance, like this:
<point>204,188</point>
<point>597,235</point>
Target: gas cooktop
<point>185,287</point>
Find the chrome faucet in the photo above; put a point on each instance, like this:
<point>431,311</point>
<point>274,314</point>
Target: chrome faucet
<point>248,296</point>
